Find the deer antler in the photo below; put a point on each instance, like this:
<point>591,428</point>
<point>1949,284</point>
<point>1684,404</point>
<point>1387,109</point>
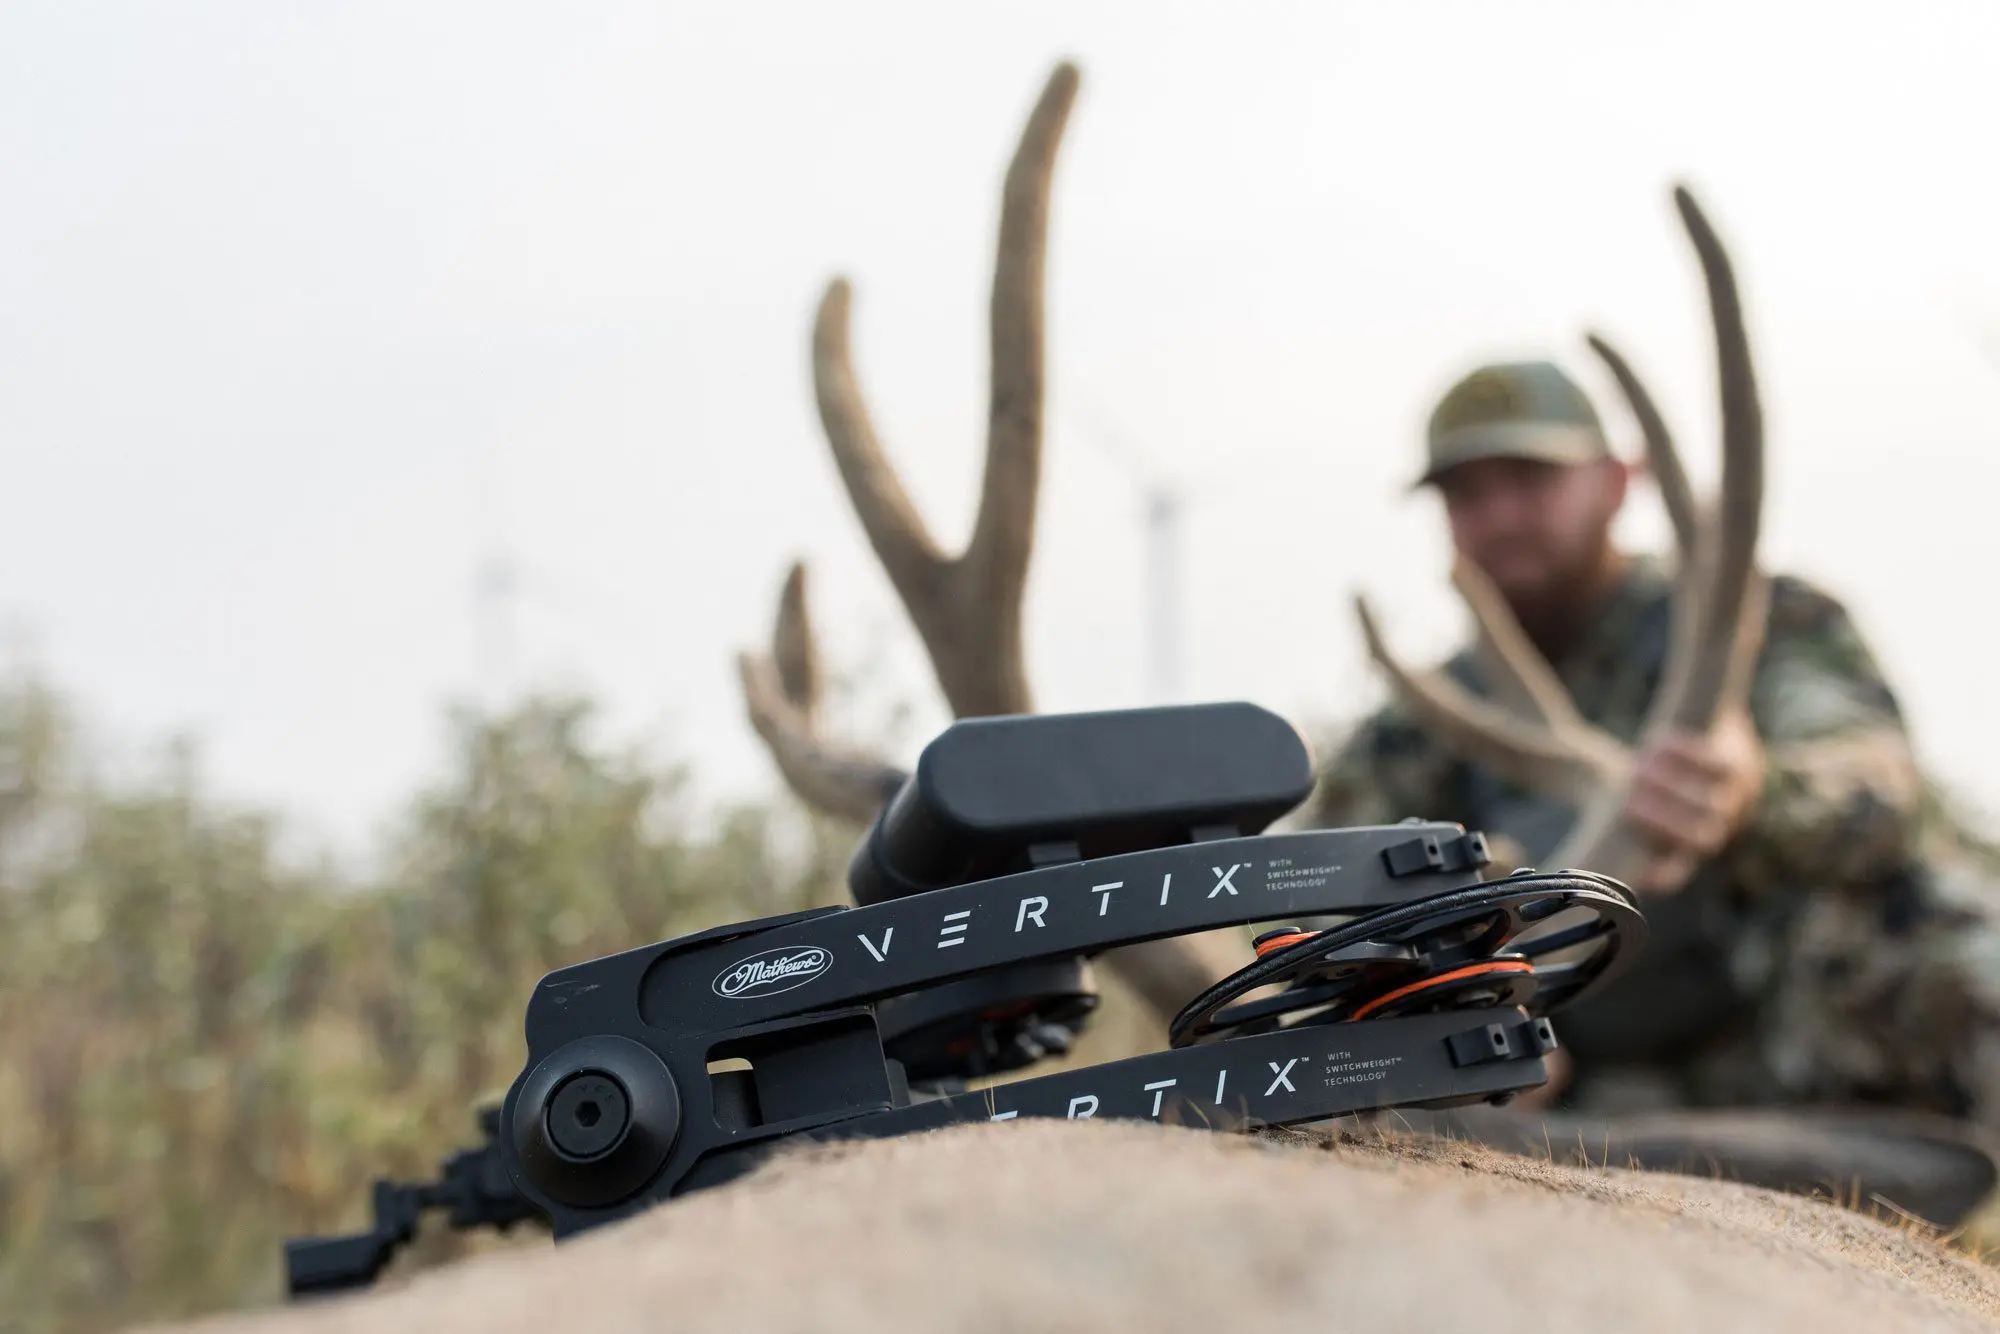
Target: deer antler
<point>967,608</point>
<point>1535,735</point>
<point>1662,458</point>
<point>783,695</point>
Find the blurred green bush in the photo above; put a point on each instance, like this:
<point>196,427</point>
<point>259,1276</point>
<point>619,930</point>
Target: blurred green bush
<point>207,1048</point>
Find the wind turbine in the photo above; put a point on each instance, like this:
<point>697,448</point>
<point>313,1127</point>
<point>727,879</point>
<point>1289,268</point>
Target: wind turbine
<point>496,583</point>
<point>496,590</point>
<point>1162,499</point>
<point>1166,497</point>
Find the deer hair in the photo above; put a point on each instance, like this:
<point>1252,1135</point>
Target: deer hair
<point>1531,731</point>
<point>967,608</point>
<point>1079,1227</point>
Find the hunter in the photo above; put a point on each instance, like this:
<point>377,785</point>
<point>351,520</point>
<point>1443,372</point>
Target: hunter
<point>1816,955</point>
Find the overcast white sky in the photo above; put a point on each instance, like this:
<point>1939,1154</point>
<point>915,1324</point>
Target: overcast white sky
<point>304,308</point>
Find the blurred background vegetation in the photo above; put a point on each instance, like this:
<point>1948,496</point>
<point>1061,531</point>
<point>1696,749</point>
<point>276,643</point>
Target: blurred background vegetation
<point>210,1047</point>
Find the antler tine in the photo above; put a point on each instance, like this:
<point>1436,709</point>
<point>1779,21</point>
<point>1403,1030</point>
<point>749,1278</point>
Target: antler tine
<point>1661,456</point>
<point>1684,512</point>
<point>781,694</point>
<point>1749,643</point>
<point>795,647</point>
<point>1738,516</point>
<point>968,608</point>
<point>1525,681</point>
<point>1569,765</point>
<point>1003,533</point>
<point>895,529</point>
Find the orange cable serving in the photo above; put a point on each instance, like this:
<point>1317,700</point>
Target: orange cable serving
<point>1489,967</point>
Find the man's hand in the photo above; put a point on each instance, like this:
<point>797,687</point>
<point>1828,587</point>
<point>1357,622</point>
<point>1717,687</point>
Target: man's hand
<point>1691,793</point>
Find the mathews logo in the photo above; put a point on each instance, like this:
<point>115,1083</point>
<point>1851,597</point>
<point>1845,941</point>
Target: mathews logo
<point>773,971</point>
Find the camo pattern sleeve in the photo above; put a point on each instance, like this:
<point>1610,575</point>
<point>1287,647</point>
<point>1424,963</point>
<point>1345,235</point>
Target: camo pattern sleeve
<point>1841,789</point>
<point>1386,770</point>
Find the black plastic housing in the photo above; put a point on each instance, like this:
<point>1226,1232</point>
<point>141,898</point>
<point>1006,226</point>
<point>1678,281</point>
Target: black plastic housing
<point>993,796</point>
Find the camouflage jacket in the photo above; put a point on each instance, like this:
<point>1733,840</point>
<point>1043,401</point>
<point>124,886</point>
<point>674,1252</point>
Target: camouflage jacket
<point>1838,811</point>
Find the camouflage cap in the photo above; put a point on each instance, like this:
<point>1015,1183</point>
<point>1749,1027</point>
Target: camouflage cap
<point>1519,409</point>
